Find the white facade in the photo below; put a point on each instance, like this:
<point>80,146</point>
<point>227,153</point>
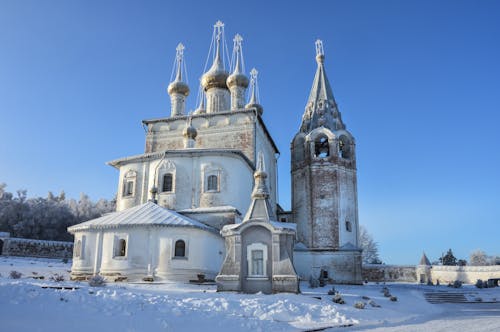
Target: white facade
<point>117,246</point>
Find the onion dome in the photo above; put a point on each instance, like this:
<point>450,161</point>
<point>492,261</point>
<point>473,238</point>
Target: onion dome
<point>189,131</point>
<point>254,103</point>
<point>178,87</point>
<point>217,75</point>
<point>238,78</point>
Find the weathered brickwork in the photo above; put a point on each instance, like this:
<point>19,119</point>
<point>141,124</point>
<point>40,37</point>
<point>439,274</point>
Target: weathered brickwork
<point>389,273</point>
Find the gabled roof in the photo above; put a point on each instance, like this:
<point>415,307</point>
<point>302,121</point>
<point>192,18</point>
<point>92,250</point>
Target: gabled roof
<point>147,214</point>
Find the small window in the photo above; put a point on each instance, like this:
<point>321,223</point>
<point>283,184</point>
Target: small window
<point>212,183</point>
<point>257,263</point>
<point>283,219</point>
<point>121,248</point>
<point>321,147</point>
<point>348,226</point>
<point>167,185</point>
<point>257,260</point>
<point>180,248</point>
<point>129,188</point>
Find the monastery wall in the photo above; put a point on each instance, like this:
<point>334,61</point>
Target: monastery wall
<point>35,248</point>
<point>466,274</point>
<point>445,274</point>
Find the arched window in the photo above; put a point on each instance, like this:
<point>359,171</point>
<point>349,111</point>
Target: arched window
<point>167,185</point>
<point>348,226</point>
<point>212,183</point>
<point>180,248</point>
<point>321,147</point>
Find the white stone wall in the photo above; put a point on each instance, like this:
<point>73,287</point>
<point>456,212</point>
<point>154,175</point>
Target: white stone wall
<point>466,274</point>
<point>149,251</point>
<point>235,182</point>
<point>445,274</point>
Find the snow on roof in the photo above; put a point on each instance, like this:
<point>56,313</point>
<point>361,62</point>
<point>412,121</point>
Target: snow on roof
<point>142,215</point>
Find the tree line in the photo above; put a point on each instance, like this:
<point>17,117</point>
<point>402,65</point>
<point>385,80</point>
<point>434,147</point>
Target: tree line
<point>46,218</point>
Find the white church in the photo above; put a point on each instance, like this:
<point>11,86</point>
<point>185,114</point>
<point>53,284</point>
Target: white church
<point>201,202</point>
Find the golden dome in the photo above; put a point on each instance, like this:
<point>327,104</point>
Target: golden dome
<point>178,87</point>
<point>237,79</point>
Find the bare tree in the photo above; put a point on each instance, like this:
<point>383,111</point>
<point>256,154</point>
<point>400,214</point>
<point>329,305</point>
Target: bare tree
<point>369,246</point>
<point>478,258</point>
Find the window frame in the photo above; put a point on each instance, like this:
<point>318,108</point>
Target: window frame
<point>117,247</point>
<point>164,177</point>
<point>129,184</point>
<point>184,256</point>
<point>257,247</point>
<point>211,182</point>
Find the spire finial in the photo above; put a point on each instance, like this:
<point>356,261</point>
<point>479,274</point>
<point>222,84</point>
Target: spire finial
<point>218,29</point>
<point>254,97</point>
<point>320,53</point>
<point>253,85</point>
<point>179,56</point>
<point>260,162</point>
<point>238,53</point>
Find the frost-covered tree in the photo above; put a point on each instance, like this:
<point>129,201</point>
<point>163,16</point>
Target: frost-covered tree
<point>46,218</point>
<point>478,258</point>
<point>369,246</point>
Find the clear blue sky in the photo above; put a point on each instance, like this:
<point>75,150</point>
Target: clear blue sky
<point>417,82</point>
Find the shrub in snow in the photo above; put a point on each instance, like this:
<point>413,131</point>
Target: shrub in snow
<point>457,284</point>
<point>57,277</point>
<point>374,304</point>
<point>332,291</point>
<point>479,283</point>
<point>65,260</point>
<point>393,298</point>
<point>338,299</point>
<point>97,281</point>
<point>359,305</point>
<point>364,297</point>
<point>15,275</point>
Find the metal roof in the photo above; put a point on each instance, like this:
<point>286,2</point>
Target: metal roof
<point>147,214</point>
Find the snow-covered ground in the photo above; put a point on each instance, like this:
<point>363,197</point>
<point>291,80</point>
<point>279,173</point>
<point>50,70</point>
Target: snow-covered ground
<point>26,306</point>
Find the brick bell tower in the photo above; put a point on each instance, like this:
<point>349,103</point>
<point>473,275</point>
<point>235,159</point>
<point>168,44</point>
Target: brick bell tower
<point>324,188</point>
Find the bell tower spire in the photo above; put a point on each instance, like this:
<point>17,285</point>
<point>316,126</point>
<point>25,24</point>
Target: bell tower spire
<point>321,109</point>
<point>324,184</point>
<point>178,90</point>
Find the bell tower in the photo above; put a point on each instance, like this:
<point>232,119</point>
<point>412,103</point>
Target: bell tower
<point>324,187</point>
